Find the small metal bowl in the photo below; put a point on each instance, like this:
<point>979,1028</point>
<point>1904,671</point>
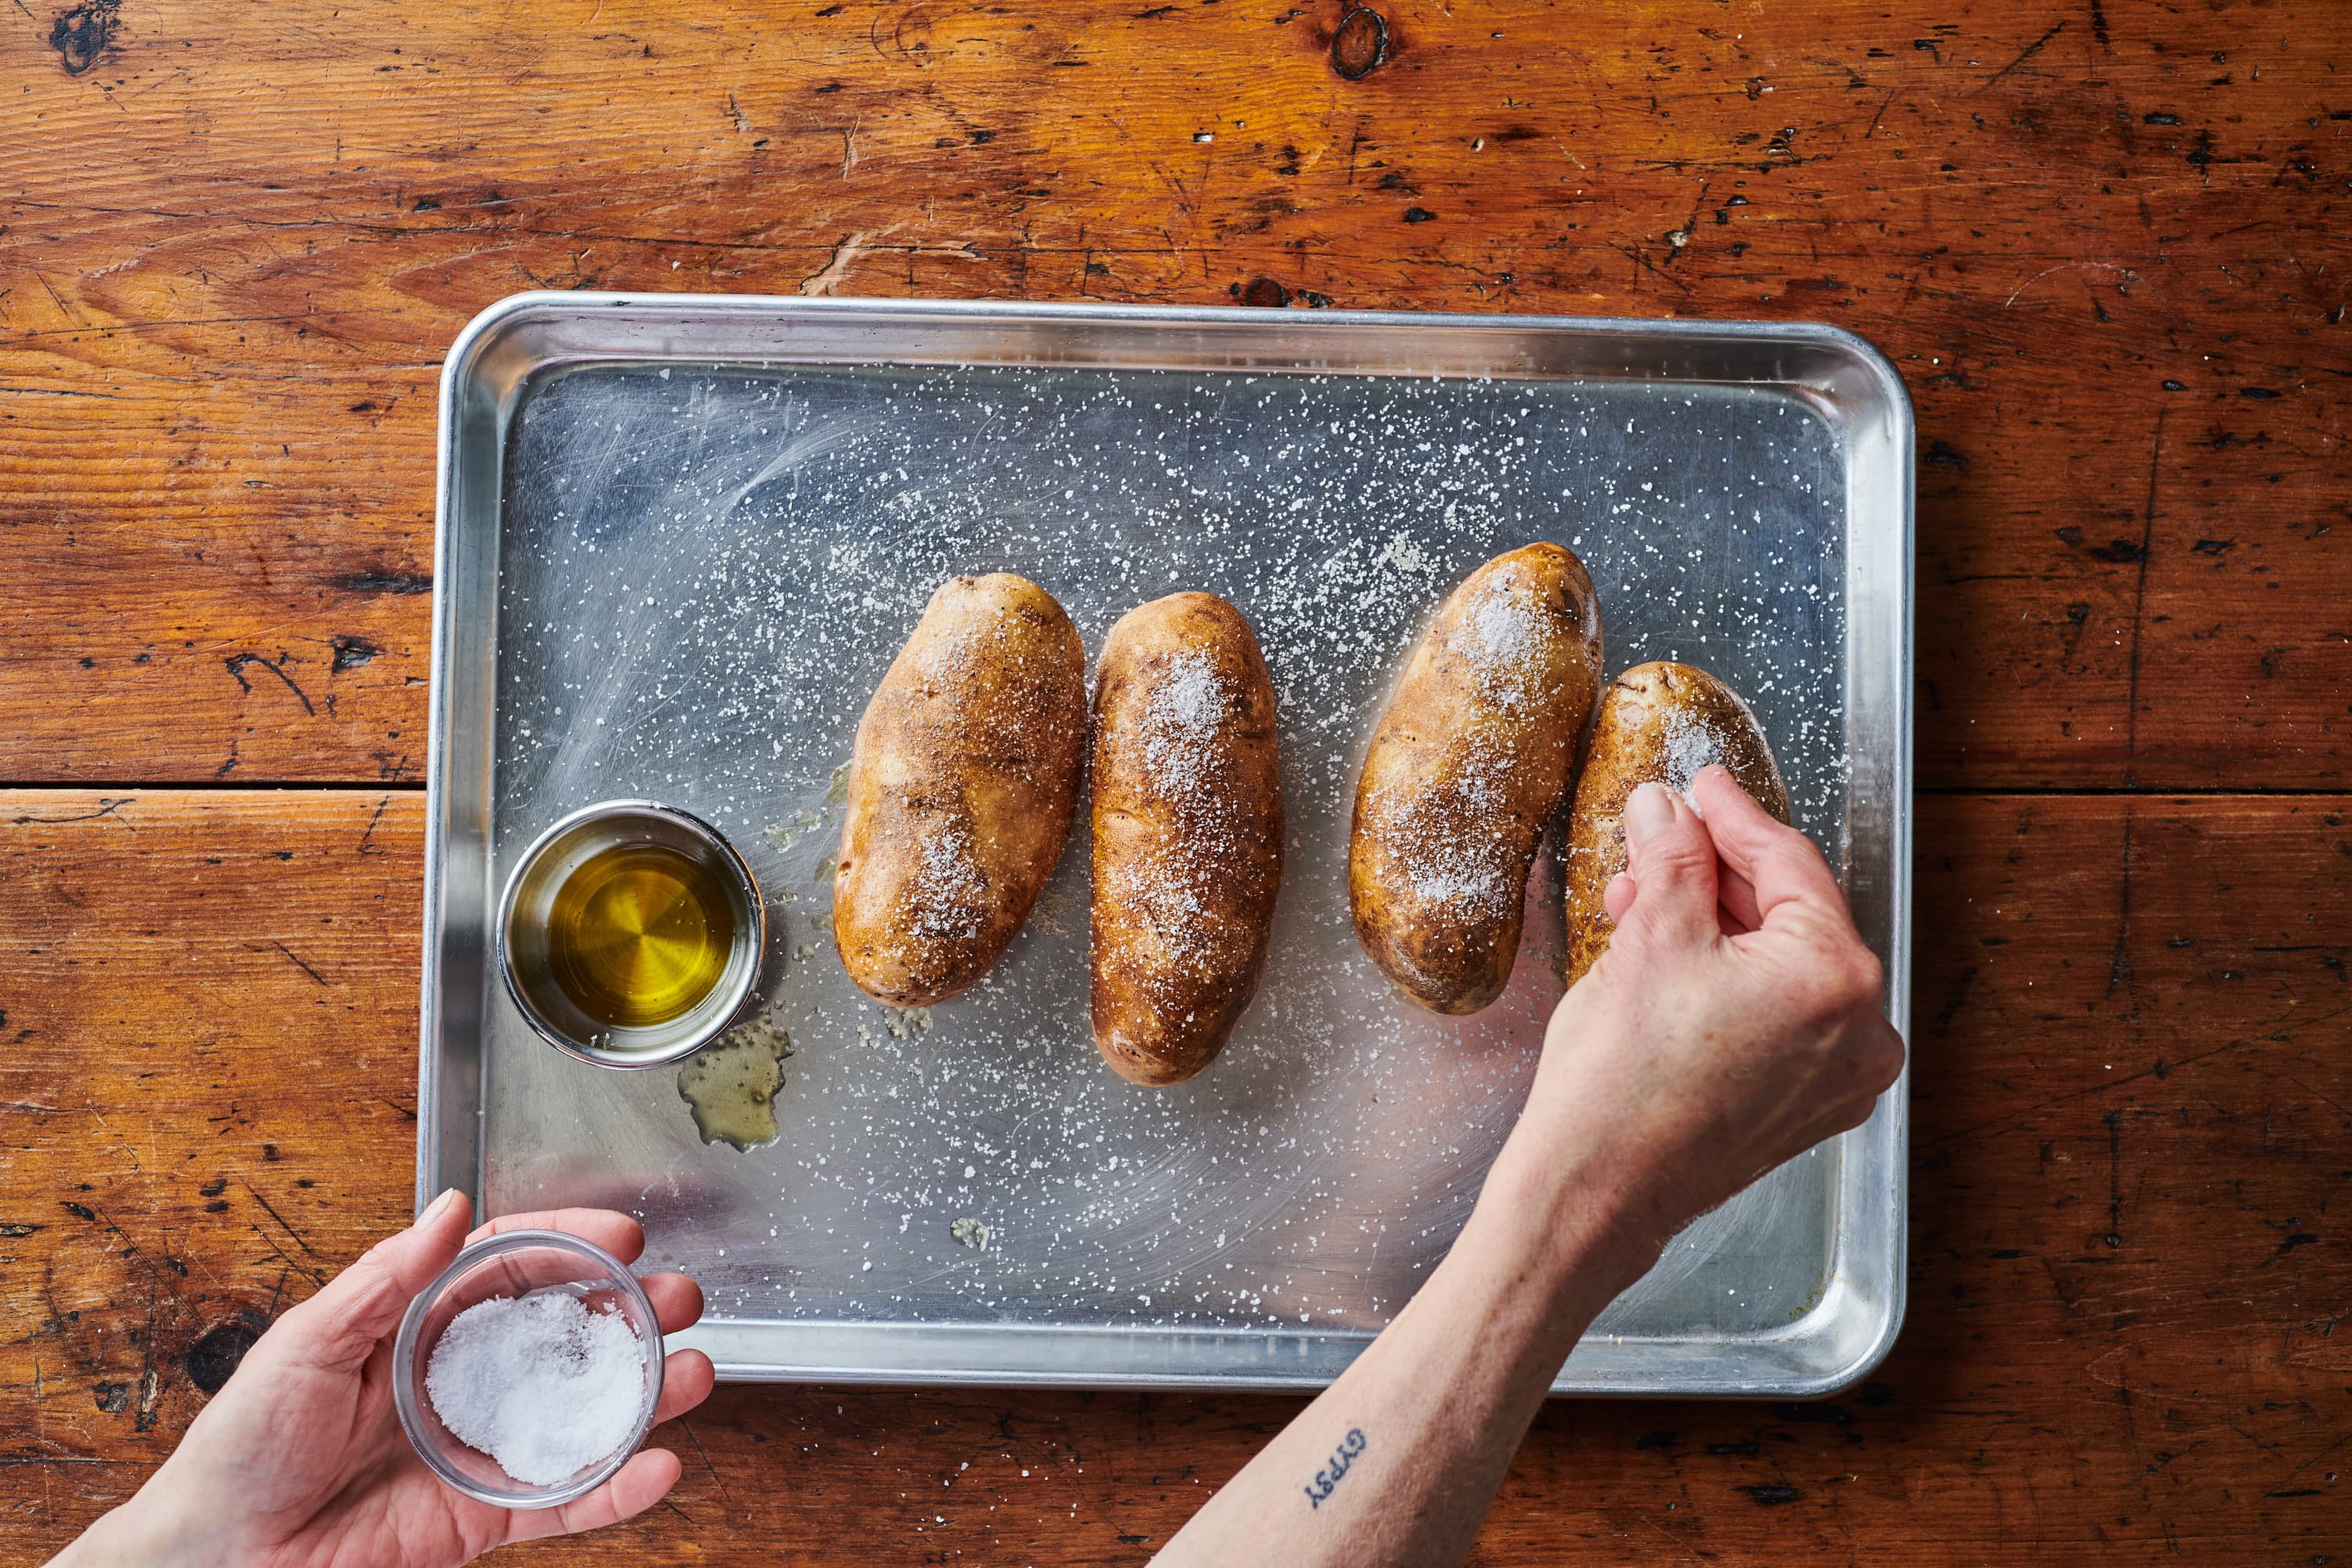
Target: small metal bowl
<point>522,940</point>
<point>515,1264</point>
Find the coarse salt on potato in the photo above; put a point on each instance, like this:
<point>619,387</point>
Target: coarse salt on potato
<point>1187,828</point>
<point>1660,723</point>
<point>1472,756</point>
<point>961,789</point>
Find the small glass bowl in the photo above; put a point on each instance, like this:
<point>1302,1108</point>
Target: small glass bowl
<point>515,1264</point>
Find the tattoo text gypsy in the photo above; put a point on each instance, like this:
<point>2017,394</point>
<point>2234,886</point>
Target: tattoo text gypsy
<point>1343,1459</point>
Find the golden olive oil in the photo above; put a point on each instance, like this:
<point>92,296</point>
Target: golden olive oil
<point>732,1087</point>
<point>639,934</point>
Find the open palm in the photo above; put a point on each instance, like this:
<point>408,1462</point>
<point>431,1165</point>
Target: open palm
<point>299,1461</point>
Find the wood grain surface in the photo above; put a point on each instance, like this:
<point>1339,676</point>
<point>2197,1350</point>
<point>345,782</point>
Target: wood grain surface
<point>2131,1125</point>
<point>2105,242</point>
<point>2106,245</point>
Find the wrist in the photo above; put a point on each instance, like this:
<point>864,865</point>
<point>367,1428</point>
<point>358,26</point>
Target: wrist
<point>1597,1145</point>
<point>1573,1218</point>
<point>146,1532</point>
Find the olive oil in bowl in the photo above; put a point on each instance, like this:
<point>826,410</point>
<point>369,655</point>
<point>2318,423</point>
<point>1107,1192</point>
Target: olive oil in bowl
<point>638,935</point>
<point>631,935</point>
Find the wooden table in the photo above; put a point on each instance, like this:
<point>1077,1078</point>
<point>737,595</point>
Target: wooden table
<point>2106,243</point>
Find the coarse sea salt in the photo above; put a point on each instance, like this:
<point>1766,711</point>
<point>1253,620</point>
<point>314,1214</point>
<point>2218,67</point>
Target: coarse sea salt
<point>1180,721</point>
<point>1691,745</point>
<point>539,1382</point>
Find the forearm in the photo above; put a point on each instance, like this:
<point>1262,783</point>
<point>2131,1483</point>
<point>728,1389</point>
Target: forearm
<point>1397,1461</point>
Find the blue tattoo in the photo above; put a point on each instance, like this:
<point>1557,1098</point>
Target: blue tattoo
<point>1343,1459</point>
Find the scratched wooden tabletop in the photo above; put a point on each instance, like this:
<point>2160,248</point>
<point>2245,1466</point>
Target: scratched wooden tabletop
<point>2106,243</point>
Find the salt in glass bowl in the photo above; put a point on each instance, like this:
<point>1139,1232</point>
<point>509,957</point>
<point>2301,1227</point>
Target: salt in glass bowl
<point>515,1264</point>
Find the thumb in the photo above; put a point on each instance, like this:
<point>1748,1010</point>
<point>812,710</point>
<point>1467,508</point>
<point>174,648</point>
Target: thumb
<point>361,1307</point>
<point>1671,857</point>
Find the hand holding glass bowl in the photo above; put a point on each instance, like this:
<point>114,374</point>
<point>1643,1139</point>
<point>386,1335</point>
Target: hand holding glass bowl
<point>541,1417</point>
<point>305,1441</point>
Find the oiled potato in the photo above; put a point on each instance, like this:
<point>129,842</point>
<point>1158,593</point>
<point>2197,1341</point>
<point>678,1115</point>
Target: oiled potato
<point>1471,759</point>
<point>1188,834</point>
<point>1659,724</point>
<point>961,789</point>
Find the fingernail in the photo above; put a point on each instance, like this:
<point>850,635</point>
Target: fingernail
<point>450,1198</point>
<point>1650,810</point>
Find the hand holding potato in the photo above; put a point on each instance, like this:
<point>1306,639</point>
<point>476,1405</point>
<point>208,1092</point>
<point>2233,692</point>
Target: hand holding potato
<point>1660,723</point>
<point>1734,1021</point>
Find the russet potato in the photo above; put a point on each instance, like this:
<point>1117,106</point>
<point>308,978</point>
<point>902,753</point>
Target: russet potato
<point>963,787</point>
<point>1659,724</point>
<point>1473,756</point>
<point>1188,834</point>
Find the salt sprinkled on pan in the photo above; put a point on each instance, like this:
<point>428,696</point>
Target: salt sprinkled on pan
<point>788,528</point>
<point>539,1382</point>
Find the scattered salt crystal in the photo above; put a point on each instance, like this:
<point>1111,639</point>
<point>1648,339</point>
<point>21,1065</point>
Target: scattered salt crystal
<point>1691,745</point>
<point>1180,721</point>
<point>1505,629</point>
<point>946,899</point>
<point>785,609</point>
<point>1506,635</point>
<point>539,1382</point>
<point>1178,735</point>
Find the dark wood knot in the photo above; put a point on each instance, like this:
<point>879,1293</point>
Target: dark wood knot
<point>1359,43</point>
<point>81,34</point>
<point>212,1358</point>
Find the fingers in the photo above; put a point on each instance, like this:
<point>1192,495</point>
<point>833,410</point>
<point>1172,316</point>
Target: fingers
<point>1736,895</point>
<point>643,1482</point>
<point>361,1305</point>
<point>1883,1059</point>
<point>687,1379</point>
<point>1777,864</point>
<point>1672,861</point>
<point>1735,898</point>
<point>617,1234</point>
<point>677,1299</point>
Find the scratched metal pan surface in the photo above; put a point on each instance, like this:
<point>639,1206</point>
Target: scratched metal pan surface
<point>680,540</point>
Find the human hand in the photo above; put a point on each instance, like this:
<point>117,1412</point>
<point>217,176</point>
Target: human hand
<point>299,1461</point>
<point>1734,1022</point>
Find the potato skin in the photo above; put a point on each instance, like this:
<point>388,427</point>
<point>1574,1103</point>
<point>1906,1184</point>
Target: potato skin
<point>1472,757</point>
<point>1659,724</point>
<point>961,789</point>
<point>1188,829</point>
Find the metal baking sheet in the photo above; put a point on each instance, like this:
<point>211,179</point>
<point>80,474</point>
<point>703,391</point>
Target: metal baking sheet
<point>681,537</point>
